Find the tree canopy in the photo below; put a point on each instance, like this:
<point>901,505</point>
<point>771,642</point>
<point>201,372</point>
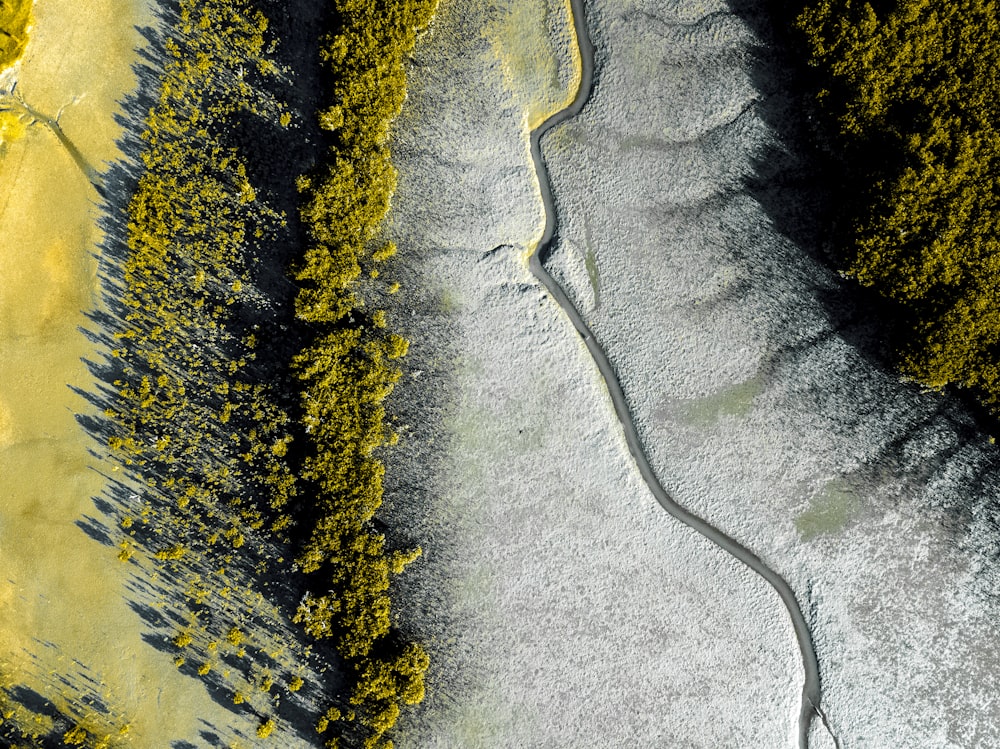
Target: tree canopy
<point>911,86</point>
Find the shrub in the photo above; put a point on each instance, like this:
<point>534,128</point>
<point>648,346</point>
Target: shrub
<point>15,20</point>
<point>349,369</point>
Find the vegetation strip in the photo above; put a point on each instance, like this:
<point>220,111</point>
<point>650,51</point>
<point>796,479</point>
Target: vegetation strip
<point>908,88</point>
<point>811,689</point>
<point>218,474</point>
<point>349,369</point>
<point>200,439</point>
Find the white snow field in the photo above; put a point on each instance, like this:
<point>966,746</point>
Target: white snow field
<point>877,502</point>
<point>564,607</point>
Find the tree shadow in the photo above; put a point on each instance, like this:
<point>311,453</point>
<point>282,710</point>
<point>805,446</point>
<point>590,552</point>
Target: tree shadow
<point>158,589</point>
<point>32,719</point>
<point>810,193</point>
<point>800,180</point>
<point>275,156</point>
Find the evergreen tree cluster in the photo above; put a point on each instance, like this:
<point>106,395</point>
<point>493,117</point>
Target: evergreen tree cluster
<point>911,88</point>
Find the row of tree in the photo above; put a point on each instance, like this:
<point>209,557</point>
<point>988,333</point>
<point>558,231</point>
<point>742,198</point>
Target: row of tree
<point>910,86</point>
<point>225,487</point>
<point>198,432</point>
<point>350,367</point>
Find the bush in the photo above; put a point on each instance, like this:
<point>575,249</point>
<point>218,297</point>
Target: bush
<point>15,20</point>
<point>188,422</point>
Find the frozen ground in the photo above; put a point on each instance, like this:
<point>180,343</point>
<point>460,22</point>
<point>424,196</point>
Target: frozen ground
<point>564,607</point>
<point>875,501</point>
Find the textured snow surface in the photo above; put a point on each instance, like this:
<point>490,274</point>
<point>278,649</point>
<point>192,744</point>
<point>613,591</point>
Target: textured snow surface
<point>563,606</point>
<point>875,501</point>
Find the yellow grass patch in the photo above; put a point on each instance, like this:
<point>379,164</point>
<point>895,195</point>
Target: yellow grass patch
<point>60,587</point>
<point>535,42</point>
<point>12,127</point>
<point>15,23</point>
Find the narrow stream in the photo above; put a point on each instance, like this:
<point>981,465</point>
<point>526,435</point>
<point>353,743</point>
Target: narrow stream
<point>10,101</point>
<point>811,686</point>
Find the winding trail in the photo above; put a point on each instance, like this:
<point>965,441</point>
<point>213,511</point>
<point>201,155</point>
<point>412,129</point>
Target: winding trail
<point>811,691</point>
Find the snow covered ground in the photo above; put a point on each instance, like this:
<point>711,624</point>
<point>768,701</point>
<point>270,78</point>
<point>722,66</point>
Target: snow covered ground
<point>566,609</point>
<point>875,501</point>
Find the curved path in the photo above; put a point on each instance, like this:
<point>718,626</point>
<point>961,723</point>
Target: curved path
<point>811,686</point>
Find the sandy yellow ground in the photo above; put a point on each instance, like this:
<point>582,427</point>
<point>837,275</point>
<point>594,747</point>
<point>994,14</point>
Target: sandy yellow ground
<point>536,46</point>
<point>61,593</point>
